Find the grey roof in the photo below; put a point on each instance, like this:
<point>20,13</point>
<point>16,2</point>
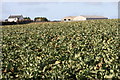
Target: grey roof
<point>93,16</point>
<point>15,16</point>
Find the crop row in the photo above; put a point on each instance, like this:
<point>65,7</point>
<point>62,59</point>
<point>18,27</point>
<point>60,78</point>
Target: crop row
<point>61,51</point>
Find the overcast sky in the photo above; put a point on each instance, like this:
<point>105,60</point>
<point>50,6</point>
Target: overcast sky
<point>58,10</point>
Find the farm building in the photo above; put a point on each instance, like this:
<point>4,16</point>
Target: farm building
<point>15,18</point>
<point>69,18</point>
<point>82,17</point>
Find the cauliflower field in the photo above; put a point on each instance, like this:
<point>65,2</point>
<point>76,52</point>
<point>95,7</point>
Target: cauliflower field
<point>61,51</point>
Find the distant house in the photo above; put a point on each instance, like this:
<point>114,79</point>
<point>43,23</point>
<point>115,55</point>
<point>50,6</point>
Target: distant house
<point>82,17</point>
<point>15,18</point>
<point>69,18</point>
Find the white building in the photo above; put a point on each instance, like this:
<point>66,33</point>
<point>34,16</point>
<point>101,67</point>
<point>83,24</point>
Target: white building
<point>69,18</point>
<point>83,17</point>
<point>15,18</point>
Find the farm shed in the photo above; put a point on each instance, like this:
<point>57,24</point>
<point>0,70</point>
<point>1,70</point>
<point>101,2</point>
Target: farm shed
<point>83,17</point>
<point>15,18</point>
<point>88,17</point>
<point>68,18</point>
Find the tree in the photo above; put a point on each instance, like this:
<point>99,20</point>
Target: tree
<point>40,19</point>
<point>27,18</point>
